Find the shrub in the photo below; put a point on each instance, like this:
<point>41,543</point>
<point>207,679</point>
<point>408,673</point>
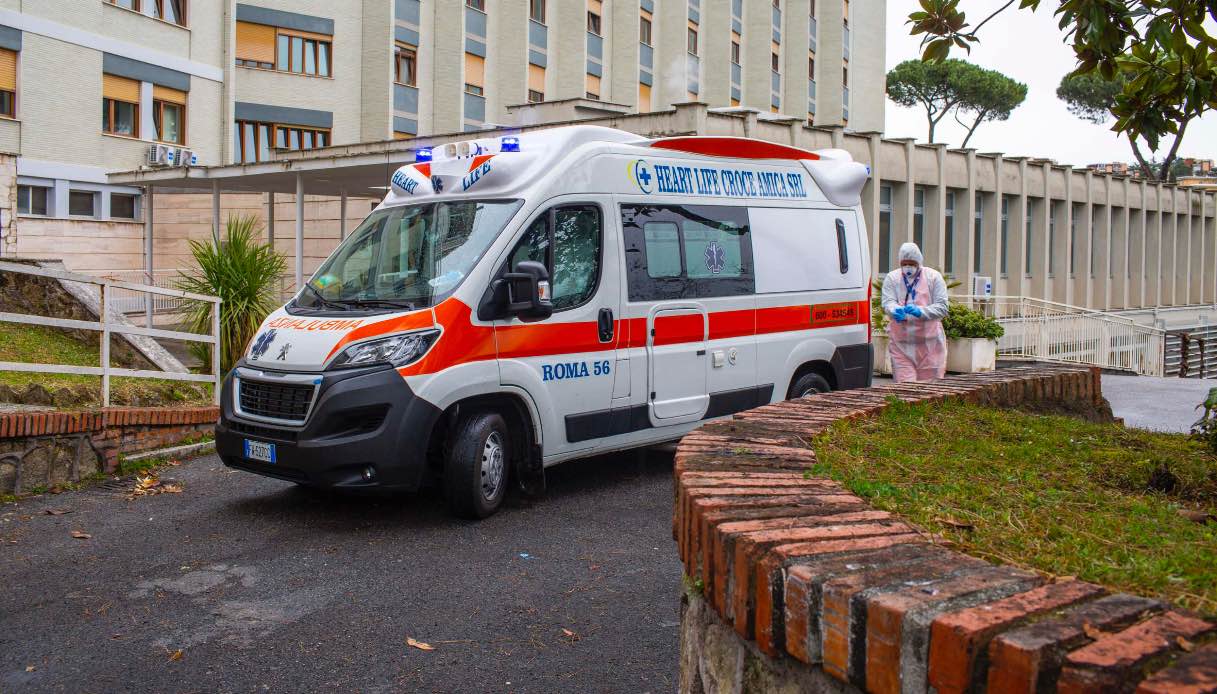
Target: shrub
<point>963,322</point>
<point>1205,428</point>
<point>245,275</point>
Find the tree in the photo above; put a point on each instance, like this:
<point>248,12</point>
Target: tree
<point>989,96</point>
<point>1160,48</point>
<point>954,87</point>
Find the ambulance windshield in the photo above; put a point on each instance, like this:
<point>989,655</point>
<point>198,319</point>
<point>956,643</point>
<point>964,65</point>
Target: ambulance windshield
<point>407,257</point>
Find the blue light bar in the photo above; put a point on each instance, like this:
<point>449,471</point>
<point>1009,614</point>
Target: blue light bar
<point>509,144</point>
<point>422,154</point>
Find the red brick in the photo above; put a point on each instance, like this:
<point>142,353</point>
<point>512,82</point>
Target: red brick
<point>1028,659</point>
<point>1195,673</point>
<point>1111,663</point>
<point>958,638</point>
<point>887,613</point>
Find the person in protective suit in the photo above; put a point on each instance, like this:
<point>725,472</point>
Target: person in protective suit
<point>915,299</point>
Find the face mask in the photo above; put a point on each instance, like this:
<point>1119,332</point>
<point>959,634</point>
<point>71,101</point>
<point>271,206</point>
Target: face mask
<point>909,270</point>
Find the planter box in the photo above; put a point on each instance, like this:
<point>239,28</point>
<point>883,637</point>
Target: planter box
<point>971,355</point>
<point>883,360</point>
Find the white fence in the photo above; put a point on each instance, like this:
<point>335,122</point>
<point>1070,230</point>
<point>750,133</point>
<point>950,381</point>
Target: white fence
<point>1048,331</point>
<point>108,326</point>
<point>128,301</point>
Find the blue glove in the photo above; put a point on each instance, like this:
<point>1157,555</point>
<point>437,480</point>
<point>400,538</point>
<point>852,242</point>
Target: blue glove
<point>912,311</point>
<point>899,314</point>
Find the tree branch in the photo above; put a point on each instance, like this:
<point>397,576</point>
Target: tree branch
<point>1001,9</point>
<point>980,117</point>
<point>1145,167</point>
<point>1174,152</point>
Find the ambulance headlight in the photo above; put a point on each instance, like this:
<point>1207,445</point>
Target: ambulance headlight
<point>398,350</point>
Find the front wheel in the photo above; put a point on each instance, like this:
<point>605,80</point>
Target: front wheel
<point>806,385</point>
<point>476,465</point>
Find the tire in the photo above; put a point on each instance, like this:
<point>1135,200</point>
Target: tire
<point>808,384</point>
<point>477,464</point>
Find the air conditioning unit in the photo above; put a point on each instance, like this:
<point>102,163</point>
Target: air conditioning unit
<point>158,155</point>
<point>187,157</point>
<point>171,156</point>
<point>982,286</point>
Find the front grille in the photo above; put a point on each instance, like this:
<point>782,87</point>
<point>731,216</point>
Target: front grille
<point>283,401</point>
<point>262,432</point>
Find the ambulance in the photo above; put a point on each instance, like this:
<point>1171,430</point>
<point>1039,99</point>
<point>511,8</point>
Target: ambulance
<point>518,302</point>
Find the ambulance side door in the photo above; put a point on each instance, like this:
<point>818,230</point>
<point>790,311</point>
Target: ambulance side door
<point>567,362</point>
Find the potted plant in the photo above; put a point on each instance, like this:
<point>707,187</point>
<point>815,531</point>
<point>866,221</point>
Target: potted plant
<point>971,340</point>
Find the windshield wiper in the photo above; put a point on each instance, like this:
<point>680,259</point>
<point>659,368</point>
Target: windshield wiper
<point>379,302</point>
<point>322,300</point>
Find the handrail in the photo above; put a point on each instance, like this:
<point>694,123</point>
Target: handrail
<point>108,326</point>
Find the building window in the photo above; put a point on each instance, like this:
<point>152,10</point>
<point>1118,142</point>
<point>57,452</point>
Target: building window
<point>644,30</point>
<point>82,203</point>
<point>122,206</point>
<point>735,52</point>
<point>479,5</point>
<point>406,65</point>
<point>475,74</point>
<point>255,45</point>
<point>120,106</point>
<point>845,75</point>
<point>32,200</point>
<point>536,10</point>
<point>535,97</point>
<point>592,87</point>
<point>1005,236</point>
<point>775,62</point>
<point>1027,249</point>
<point>536,83</point>
<point>644,98</point>
<point>593,23</point>
<point>169,115</point>
<point>254,141</point>
<point>692,41</point>
<point>172,11</point>
<point>978,233</point>
<point>292,137</point>
<point>885,228</point>
<point>303,54</point>
<point>948,264</point>
<point>1052,213</point>
<point>811,67</point>
<point>8,83</point>
<point>919,217</point>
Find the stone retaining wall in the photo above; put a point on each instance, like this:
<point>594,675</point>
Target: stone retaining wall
<point>42,449</point>
<point>796,584</point>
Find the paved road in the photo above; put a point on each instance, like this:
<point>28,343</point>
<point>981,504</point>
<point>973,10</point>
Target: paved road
<point>268,587</point>
<point>1160,404</point>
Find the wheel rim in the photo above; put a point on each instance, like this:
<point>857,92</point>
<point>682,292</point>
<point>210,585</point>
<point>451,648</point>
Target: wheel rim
<point>810,391</point>
<point>493,465</point>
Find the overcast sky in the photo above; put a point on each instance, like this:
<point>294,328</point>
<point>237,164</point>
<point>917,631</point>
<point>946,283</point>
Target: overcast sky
<point>1028,47</point>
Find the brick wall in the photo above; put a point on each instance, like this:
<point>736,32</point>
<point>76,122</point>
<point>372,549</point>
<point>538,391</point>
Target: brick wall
<point>799,585</point>
<point>42,449</point>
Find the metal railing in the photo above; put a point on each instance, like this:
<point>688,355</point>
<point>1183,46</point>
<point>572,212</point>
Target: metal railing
<point>130,302</point>
<point>1047,331</point>
<point>107,325</point>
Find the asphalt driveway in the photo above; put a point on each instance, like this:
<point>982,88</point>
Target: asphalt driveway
<point>242,583</point>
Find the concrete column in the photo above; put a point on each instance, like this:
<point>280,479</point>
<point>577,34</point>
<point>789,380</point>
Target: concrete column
<point>299,246</point>
<point>1041,246</point>
<point>870,200</point>
<point>1170,246</point>
<point>1195,290</point>
<point>215,211</point>
<point>1065,269</point>
<point>1019,282</point>
<point>1062,217</point>
<point>1120,231</point>
<point>1138,247</point>
<point>936,213</point>
<point>1153,259</point>
<point>1101,238</point>
<point>1210,260</point>
<point>342,215</point>
<point>965,224</point>
<point>270,219</point>
<point>990,230</point>
<point>148,255</point>
<point>1082,284</point>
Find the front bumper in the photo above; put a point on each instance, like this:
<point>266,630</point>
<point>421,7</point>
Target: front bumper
<point>359,418</point>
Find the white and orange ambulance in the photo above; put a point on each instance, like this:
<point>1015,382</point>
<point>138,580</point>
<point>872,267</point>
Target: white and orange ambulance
<point>518,302</point>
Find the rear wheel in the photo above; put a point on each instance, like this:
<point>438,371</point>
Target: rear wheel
<point>806,385</point>
<point>476,464</point>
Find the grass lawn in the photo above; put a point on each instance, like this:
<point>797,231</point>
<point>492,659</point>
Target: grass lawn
<point>1047,492</point>
<point>42,345</point>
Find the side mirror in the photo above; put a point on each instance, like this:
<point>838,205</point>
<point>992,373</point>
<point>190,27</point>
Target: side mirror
<point>528,290</point>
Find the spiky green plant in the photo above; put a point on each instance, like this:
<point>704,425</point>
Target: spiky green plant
<point>244,274</point>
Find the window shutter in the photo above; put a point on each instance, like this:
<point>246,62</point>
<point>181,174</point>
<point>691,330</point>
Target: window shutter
<point>536,78</point>
<point>8,70</point>
<point>120,88</point>
<point>475,70</point>
<point>255,42</point>
<point>306,35</point>
<point>593,85</point>
<point>644,97</point>
<point>173,96</point>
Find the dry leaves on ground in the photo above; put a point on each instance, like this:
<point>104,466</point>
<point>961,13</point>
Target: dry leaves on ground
<point>419,645</point>
<point>150,485</point>
<point>57,511</point>
<point>176,655</point>
<point>81,535</point>
<point>570,634</point>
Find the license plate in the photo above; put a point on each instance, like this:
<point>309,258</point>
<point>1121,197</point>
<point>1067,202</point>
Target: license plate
<point>260,450</point>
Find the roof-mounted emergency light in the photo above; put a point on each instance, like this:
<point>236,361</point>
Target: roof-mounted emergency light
<point>509,144</point>
<point>422,155</point>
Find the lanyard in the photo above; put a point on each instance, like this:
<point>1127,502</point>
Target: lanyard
<point>910,289</point>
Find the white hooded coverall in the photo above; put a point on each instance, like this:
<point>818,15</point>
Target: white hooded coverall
<point>917,346</point>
